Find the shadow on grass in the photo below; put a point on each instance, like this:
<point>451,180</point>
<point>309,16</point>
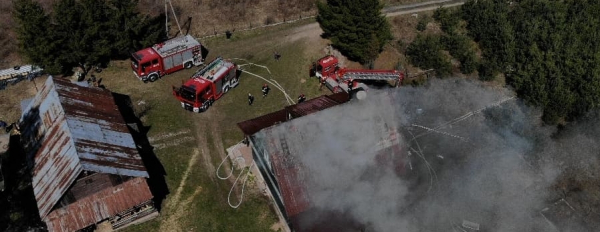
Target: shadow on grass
<point>18,208</point>
<point>156,182</point>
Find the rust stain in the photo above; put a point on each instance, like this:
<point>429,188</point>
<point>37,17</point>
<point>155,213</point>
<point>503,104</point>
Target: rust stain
<point>98,206</point>
<point>69,128</point>
<point>317,104</point>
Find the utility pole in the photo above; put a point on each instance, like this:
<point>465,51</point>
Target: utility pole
<point>174,16</point>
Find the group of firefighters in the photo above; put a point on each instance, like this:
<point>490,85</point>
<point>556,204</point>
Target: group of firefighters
<point>265,91</point>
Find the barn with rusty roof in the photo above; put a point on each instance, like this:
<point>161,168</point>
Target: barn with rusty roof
<point>281,141</point>
<point>84,162</point>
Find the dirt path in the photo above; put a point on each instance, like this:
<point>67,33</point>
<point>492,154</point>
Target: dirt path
<point>175,207</point>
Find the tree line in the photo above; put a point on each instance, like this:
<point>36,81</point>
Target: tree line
<point>548,50</point>
<point>82,33</point>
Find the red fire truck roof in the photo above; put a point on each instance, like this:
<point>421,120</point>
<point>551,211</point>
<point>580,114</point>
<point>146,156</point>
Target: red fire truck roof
<point>328,60</point>
<point>145,55</point>
<point>214,70</point>
<point>175,45</point>
<point>210,73</point>
<point>196,84</point>
<point>166,48</point>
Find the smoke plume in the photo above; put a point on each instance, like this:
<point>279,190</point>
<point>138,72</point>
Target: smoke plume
<point>468,156</point>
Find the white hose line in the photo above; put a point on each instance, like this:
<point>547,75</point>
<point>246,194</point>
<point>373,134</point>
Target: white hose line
<point>243,187</point>
<point>419,153</point>
<point>277,85</point>
<point>285,93</point>
<point>287,97</point>
<point>440,132</point>
<point>463,117</point>
<point>221,164</point>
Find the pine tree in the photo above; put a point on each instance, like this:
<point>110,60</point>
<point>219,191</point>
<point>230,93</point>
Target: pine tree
<point>133,31</point>
<point>35,41</point>
<point>83,33</point>
<point>354,27</point>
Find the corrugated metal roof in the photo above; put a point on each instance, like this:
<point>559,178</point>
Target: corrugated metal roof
<point>99,206</point>
<point>288,172</point>
<point>286,142</point>
<point>68,128</point>
<point>317,104</point>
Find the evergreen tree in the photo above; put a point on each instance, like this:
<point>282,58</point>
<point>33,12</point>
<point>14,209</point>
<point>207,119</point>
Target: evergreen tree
<point>83,32</point>
<point>35,41</point>
<point>426,52</point>
<point>355,27</point>
<point>133,31</point>
<point>548,49</point>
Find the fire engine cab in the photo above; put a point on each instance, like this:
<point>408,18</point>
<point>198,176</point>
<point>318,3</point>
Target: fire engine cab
<point>161,59</point>
<point>207,85</point>
<point>339,79</point>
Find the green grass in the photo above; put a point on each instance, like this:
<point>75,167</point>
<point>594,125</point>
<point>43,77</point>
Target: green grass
<point>209,210</point>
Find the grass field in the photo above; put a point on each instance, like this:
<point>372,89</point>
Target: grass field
<point>190,145</point>
<point>197,200</point>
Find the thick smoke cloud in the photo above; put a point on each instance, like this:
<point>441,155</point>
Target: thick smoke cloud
<point>468,152</point>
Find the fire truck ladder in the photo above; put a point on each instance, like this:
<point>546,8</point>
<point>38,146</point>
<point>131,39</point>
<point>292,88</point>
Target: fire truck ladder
<point>370,76</point>
<point>174,49</point>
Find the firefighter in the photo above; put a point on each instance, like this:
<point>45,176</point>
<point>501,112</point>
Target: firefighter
<point>276,55</point>
<point>350,85</point>
<point>250,99</point>
<point>246,141</point>
<point>3,124</point>
<point>321,83</point>
<point>301,98</point>
<point>265,90</point>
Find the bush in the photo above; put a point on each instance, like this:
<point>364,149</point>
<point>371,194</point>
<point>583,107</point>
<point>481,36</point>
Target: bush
<point>426,53</point>
<point>449,20</point>
<point>459,47</point>
<point>422,24</point>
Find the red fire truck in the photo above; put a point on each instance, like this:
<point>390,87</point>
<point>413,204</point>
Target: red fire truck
<point>339,79</point>
<point>151,63</point>
<point>207,85</point>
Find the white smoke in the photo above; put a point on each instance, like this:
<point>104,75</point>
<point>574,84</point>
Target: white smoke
<point>477,154</point>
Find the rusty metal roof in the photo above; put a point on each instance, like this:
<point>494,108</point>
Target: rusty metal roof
<point>69,128</point>
<point>317,104</point>
<point>99,206</point>
<point>285,143</point>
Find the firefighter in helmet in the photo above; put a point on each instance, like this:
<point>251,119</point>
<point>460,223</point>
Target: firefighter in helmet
<point>301,98</point>
<point>265,90</point>
<point>250,99</point>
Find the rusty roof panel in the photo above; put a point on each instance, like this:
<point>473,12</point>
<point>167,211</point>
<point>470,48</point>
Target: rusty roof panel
<point>69,128</point>
<point>288,171</point>
<point>99,206</point>
<point>286,143</point>
<point>311,106</point>
<point>317,104</point>
<point>254,125</point>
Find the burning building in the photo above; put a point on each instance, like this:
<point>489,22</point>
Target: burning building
<point>85,165</point>
<point>290,159</point>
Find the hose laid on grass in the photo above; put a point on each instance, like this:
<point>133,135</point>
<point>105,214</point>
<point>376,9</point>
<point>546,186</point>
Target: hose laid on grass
<point>287,96</point>
<point>243,187</point>
<point>221,164</point>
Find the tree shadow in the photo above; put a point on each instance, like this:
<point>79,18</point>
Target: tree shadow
<point>156,171</point>
<point>18,206</point>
